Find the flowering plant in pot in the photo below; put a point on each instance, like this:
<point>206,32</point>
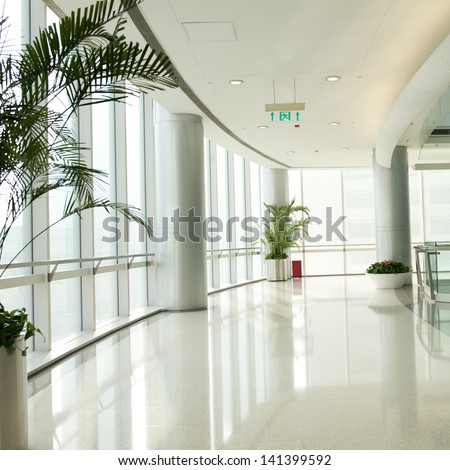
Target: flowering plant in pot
<point>388,274</point>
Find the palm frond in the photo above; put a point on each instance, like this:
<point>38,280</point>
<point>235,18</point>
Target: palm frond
<point>85,59</point>
<point>281,230</point>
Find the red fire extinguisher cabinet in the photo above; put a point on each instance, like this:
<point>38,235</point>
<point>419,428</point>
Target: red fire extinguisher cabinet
<point>296,269</point>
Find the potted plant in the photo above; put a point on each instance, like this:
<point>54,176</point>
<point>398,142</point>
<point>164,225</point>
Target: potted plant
<point>281,232</point>
<point>83,60</point>
<point>15,329</point>
<point>388,274</point>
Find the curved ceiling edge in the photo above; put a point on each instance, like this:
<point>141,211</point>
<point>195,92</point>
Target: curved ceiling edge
<point>143,27</point>
<point>429,82</point>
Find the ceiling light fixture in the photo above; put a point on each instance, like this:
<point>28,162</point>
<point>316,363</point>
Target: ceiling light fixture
<point>263,127</point>
<point>236,82</point>
<point>334,123</point>
<point>344,149</point>
<point>333,78</point>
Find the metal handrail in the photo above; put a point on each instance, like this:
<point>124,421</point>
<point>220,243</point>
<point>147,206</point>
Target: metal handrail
<point>428,250</point>
<point>32,264</point>
<point>70,273</point>
<point>246,251</point>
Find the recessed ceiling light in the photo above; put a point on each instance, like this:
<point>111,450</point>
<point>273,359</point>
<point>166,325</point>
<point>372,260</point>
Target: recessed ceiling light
<point>236,82</point>
<point>344,149</point>
<point>334,123</point>
<point>291,152</point>
<point>263,127</point>
<point>333,78</point>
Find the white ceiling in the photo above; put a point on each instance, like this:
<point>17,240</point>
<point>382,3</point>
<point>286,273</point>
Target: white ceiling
<point>375,46</point>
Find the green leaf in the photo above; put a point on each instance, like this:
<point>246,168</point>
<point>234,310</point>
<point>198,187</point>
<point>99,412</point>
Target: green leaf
<point>83,60</point>
<point>281,230</point>
<point>13,324</point>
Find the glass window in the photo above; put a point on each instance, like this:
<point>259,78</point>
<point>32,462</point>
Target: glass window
<point>223,210</point>
<point>20,233</point>
<point>103,157</point>
<point>415,204</point>
<point>240,214</point>
<point>358,194</point>
<point>105,226</point>
<point>295,185</point>
<point>136,197</point>
<point>436,204</point>
<point>64,243</point>
<point>322,194</point>
<point>66,308</point>
<point>13,37</point>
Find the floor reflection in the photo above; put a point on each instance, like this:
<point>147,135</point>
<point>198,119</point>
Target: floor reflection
<point>312,363</point>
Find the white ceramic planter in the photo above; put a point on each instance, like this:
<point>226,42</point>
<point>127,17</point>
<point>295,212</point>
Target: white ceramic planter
<point>13,399</point>
<point>388,281</point>
<point>277,269</point>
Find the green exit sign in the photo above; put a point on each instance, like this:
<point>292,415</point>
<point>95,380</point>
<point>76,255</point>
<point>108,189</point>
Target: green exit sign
<point>284,116</point>
<point>284,112</point>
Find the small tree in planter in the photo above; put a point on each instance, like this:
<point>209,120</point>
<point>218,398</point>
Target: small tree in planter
<point>81,61</point>
<point>281,232</point>
<point>15,329</point>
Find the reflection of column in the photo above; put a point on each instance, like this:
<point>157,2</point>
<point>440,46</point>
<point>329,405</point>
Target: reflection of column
<point>279,347</point>
<point>185,378</point>
<point>181,248</point>
<point>252,362</point>
<point>122,393</point>
<point>398,366</point>
<point>114,406</point>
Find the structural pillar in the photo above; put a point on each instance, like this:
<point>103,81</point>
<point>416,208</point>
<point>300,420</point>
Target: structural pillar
<point>180,211</point>
<point>393,234</point>
<point>275,186</point>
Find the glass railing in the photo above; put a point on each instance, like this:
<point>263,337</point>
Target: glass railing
<point>433,269</point>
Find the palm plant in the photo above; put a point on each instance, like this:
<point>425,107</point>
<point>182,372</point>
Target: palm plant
<point>83,60</point>
<point>281,231</point>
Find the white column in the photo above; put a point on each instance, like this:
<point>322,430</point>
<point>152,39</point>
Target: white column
<point>214,211</point>
<point>180,211</point>
<point>275,188</point>
<point>393,236</point>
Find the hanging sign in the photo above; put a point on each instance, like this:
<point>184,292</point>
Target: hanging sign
<point>285,112</point>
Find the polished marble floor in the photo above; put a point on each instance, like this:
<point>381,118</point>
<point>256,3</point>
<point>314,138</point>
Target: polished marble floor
<point>312,363</point>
